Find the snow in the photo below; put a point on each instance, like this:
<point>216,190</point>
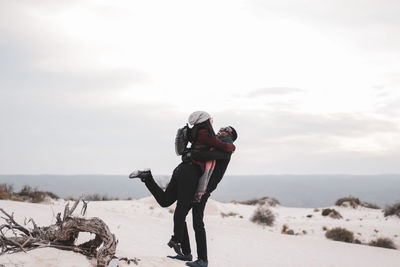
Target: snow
<point>143,230</point>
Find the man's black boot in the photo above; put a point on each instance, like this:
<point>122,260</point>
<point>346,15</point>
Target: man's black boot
<point>198,263</point>
<point>187,257</point>
<point>143,175</point>
<point>173,243</point>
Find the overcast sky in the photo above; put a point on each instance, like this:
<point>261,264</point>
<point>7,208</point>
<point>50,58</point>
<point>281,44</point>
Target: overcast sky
<point>101,86</point>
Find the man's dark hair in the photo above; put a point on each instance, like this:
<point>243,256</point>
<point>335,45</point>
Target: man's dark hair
<point>233,133</point>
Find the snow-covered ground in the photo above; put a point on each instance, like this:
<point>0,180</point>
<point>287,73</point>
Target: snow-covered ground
<point>143,229</point>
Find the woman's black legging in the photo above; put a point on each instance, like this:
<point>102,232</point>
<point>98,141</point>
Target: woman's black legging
<point>181,188</point>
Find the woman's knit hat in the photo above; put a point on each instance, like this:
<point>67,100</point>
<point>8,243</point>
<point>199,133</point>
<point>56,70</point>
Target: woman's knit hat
<point>198,117</point>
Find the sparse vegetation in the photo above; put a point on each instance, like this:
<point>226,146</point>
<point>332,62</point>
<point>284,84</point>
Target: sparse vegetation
<point>324,228</point>
<point>383,243</point>
<point>97,197</point>
<point>348,201</point>
<point>332,213</point>
<point>229,214</point>
<point>340,234</point>
<point>34,195</point>
<point>290,232</point>
<point>261,201</point>
<point>6,191</point>
<point>263,215</point>
<point>392,210</point>
<point>27,193</point>
<point>309,216</point>
<point>354,203</point>
<point>285,227</point>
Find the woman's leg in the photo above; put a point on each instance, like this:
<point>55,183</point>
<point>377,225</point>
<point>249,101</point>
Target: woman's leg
<point>169,196</point>
<point>186,187</point>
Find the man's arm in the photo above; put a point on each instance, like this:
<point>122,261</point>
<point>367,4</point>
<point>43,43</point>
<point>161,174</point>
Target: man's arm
<point>209,155</point>
<point>204,138</point>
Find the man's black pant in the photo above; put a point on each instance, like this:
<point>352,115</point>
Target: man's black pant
<point>198,226</point>
<point>181,188</point>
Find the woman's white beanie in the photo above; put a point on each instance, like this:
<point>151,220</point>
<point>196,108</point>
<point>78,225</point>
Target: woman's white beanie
<point>198,117</point>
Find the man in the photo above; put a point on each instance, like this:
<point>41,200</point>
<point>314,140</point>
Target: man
<point>227,134</point>
<point>182,188</point>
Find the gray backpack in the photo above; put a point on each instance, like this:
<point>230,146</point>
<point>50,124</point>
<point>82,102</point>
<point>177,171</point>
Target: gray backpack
<point>182,139</point>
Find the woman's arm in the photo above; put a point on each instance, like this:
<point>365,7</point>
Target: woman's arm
<point>204,138</point>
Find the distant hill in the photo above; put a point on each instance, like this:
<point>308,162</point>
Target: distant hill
<point>290,190</point>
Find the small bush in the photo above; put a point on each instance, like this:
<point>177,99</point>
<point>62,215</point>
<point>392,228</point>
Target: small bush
<point>340,234</point>
<point>286,231</point>
<point>352,201</point>
<point>392,210</point>
<point>290,232</point>
<point>383,243</point>
<point>263,215</point>
<point>229,214</point>
<point>30,194</point>
<point>6,191</point>
<point>93,197</point>
<point>7,188</point>
<point>285,227</point>
<point>332,213</point>
<point>325,212</point>
<point>261,201</point>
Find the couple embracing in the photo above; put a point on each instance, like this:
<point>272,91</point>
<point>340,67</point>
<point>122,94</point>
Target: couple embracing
<point>202,168</point>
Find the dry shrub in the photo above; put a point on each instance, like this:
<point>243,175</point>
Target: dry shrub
<point>97,197</point>
<point>6,191</point>
<point>229,214</point>
<point>285,227</point>
<point>332,213</point>
<point>340,234</point>
<point>392,210</point>
<point>286,231</point>
<point>290,232</point>
<point>383,243</point>
<point>263,215</point>
<point>352,201</point>
<point>261,201</point>
<point>30,194</point>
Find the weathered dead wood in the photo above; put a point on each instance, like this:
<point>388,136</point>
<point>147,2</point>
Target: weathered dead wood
<point>61,235</point>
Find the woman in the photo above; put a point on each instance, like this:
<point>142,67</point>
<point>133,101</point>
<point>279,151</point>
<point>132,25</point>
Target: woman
<point>185,177</point>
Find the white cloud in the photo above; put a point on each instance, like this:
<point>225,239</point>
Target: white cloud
<point>98,86</point>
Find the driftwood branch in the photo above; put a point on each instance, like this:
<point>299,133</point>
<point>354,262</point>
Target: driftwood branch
<point>61,235</point>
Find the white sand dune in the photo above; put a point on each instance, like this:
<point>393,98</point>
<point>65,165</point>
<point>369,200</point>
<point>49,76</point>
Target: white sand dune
<point>143,229</point>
